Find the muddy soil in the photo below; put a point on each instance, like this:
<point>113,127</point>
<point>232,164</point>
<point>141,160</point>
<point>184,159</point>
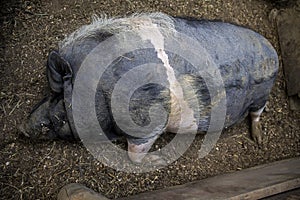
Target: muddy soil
<point>37,170</point>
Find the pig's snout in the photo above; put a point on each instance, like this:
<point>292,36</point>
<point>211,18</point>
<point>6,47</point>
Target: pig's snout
<point>47,121</point>
<point>38,124</point>
<point>36,130</point>
<point>22,128</point>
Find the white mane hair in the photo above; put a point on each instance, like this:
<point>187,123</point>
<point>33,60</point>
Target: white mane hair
<point>115,25</point>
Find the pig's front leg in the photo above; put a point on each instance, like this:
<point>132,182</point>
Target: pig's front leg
<point>256,126</point>
<point>138,151</point>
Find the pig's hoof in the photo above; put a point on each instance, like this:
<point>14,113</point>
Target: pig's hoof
<point>147,159</point>
<point>256,132</point>
<point>155,160</point>
<point>75,191</point>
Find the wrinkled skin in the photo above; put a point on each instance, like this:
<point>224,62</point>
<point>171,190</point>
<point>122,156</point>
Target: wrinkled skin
<point>248,77</point>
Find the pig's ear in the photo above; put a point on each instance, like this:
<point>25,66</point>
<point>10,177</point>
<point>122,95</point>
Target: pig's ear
<point>57,70</point>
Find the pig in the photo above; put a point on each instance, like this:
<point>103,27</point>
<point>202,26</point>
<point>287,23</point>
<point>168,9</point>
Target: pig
<point>247,62</point>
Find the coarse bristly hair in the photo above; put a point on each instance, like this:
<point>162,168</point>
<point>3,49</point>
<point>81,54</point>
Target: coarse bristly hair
<point>115,25</point>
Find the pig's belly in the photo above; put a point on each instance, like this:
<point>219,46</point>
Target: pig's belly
<point>182,122</point>
<point>241,96</point>
<point>239,101</point>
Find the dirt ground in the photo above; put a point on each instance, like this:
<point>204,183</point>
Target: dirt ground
<point>31,170</point>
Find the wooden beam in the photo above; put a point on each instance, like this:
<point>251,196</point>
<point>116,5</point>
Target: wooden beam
<point>252,183</point>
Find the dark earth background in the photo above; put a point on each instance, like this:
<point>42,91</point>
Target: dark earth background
<point>37,170</point>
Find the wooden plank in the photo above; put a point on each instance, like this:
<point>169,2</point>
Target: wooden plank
<point>252,183</point>
<point>288,195</point>
<point>288,26</point>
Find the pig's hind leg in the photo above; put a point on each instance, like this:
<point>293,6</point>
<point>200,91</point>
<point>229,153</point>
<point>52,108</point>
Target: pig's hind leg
<point>138,149</point>
<point>256,131</point>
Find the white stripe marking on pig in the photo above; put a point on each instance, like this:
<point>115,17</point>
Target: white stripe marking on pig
<point>150,31</point>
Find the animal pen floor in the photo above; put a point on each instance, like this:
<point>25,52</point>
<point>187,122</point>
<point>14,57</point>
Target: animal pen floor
<point>37,170</point>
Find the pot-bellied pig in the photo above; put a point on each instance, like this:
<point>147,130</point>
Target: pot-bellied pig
<point>246,62</point>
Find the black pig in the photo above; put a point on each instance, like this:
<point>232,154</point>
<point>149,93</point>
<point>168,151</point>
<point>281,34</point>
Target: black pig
<point>247,62</point>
